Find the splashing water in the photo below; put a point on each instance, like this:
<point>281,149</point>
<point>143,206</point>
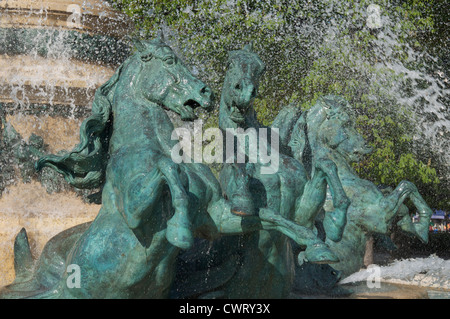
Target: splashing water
<point>329,34</point>
<point>47,62</point>
<point>427,272</point>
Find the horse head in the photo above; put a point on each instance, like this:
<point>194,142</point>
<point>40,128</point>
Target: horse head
<point>337,130</point>
<point>327,126</point>
<point>166,81</point>
<point>241,84</point>
<point>154,73</point>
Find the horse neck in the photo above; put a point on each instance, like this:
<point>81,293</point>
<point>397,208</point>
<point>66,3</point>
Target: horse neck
<point>345,168</point>
<point>131,109</point>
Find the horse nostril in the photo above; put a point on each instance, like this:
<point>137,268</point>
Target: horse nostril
<point>238,86</point>
<point>205,90</point>
<point>207,95</point>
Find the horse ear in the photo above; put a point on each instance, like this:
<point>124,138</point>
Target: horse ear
<point>231,56</point>
<point>249,47</point>
<point>138,44</point>
<point>160,36</point>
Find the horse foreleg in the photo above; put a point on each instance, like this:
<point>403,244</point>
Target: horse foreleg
<point>334,222</point>
<point>179,228</point>
<point>316,250</point>
<point>312,199</point>
<point>425,213</point>
<point>419,229</point>
<point>141,195</point>
<point>230,224</point>
<point>234,179</point>
<point>405,222</point>
<point>392,203</point>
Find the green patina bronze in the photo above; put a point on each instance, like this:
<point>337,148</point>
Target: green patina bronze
<point>371,210</point>
<point>323,143</point>
<point>151,207</point>
<point>158,216</point>
<point>264,261</point>
<point>240,87</point>
<point>288,191</point>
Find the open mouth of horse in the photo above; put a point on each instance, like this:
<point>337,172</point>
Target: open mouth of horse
<point>186,111</point>
<point>204,103</point>
<point>193,104</point>
<point>236,113</point>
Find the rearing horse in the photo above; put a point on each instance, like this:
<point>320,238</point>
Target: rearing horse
<point>239,90</point>
<point>264,260</point>
<point>137,152</point>
<point>151,207</point>
<point>371,211</point>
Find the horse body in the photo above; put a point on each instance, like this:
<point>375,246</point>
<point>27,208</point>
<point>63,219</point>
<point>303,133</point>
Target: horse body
<point>129,249</point>
<point>114,264</point>
<point>239,89</point>
<point>289,190</point>
<point>370,210</point>
<point>266,261</point>
<point>151,207</point>
<point>126,252</point>
<point>266,264</point>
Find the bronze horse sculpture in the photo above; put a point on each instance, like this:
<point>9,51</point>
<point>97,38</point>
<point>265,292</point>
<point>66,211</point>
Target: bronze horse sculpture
<point>264,260</point>
<point>134,159</point>
<point>324,142</point>
<point>151,207</point>
<point>239,90</point>
<point>371,210</point>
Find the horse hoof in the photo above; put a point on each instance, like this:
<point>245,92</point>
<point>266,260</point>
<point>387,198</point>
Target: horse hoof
<point>320,254</point>
<point>406,225</point>
<point>422,233</point>
<point>179,235</point>
<point>334,224</point>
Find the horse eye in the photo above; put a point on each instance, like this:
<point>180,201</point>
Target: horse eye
<point>169,61</point>
<point>147,57</point>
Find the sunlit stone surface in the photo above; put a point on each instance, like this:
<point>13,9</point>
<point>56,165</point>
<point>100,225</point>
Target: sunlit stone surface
<point>54,55</point>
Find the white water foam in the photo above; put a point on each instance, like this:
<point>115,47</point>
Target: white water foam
<point>433,272</point>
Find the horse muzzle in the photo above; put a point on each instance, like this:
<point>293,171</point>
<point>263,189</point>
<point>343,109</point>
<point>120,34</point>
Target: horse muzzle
<point>206,98</point>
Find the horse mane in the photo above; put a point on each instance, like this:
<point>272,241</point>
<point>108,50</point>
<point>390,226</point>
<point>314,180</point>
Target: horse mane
<point>85,166</point>
<point>302,139</point>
